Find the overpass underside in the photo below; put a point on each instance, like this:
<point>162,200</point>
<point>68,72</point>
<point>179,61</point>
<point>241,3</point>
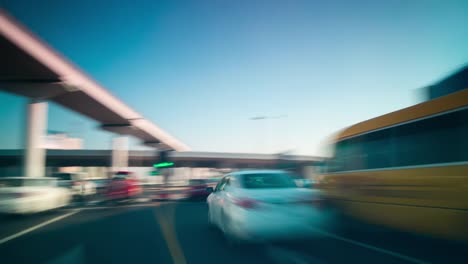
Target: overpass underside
<point>103,158</point>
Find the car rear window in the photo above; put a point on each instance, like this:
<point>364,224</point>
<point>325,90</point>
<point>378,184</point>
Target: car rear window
<point>267,180</point>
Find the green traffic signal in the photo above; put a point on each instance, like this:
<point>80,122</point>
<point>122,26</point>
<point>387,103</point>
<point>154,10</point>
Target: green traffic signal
<point>164,164</point>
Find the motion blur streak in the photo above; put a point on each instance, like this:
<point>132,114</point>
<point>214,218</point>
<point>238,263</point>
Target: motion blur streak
<point>408,169</point>
<point>251,85</point>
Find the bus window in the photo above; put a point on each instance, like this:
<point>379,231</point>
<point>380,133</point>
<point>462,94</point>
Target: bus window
<point>439,139</point>
<point>377,146</point>
<point>434,140</point>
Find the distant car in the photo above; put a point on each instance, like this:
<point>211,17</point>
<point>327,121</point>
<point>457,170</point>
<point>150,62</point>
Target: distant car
<point>24,195</point>
<point>84,189</point>
<point>100,184</point>
<point>259,205</point>
<point>64,179</point>
<point>197,189</point>
<point>123,186</point>
<point>77,183</point>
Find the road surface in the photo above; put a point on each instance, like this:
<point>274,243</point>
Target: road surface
<point>178,232</point>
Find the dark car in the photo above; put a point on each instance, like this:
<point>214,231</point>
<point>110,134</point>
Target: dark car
<point>197,189</point>
<point>101,185</point>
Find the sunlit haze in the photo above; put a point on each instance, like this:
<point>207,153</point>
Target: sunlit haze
<point>203,69</point>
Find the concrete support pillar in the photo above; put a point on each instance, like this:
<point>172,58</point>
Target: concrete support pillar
<point>120,153</point>
<point>36,131</point>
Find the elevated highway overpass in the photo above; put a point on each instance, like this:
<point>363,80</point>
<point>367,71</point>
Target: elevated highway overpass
<point>29,67</point>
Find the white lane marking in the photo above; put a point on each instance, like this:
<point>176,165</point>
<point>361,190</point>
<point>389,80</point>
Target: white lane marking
<point>143,200</point>
<point>364,245</point>
<point>121,206</point>
<point>6,239</point>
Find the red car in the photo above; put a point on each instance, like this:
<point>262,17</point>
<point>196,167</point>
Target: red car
<point>123,186</point>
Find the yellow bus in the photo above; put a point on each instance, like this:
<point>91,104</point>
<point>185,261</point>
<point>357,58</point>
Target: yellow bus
<point>407,169</point>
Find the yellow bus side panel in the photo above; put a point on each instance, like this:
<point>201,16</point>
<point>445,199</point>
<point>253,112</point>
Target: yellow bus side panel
<point>432,200</point>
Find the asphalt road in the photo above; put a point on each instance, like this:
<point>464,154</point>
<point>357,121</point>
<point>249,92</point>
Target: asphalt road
<point>178,232</point>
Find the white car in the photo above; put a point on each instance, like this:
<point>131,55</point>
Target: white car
<point>24,195</point>
<point>84,188</point>
<point>262,205</point>
<point>76,182</point>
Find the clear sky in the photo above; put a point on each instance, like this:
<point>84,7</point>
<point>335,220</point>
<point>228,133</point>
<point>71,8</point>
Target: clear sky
<point>201,69</point>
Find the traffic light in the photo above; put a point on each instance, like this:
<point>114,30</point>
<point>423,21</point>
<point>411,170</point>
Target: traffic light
<point>163,161</point>
<point>163,164</point>
<point>163,156</point>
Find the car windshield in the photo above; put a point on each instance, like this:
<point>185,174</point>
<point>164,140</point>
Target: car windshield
<point>267,180</point>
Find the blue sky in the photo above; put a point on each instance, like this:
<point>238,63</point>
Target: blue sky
<point>201,69</point>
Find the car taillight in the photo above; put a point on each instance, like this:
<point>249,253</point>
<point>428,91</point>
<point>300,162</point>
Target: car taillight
<point>246,203</point>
